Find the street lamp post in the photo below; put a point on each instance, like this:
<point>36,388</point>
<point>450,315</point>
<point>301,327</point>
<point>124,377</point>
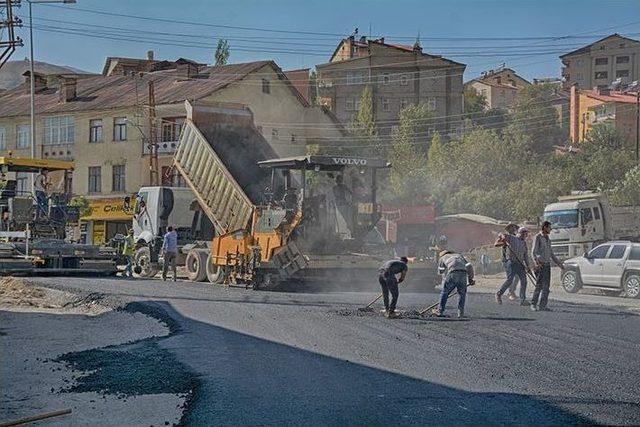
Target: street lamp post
<point>33,81</point>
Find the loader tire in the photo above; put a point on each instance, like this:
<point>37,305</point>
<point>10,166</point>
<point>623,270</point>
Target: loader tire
<point>196,265</point>
<point>142,259</point>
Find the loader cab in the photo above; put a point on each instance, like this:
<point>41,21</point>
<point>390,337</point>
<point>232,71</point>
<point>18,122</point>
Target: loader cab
<point>335,196</point>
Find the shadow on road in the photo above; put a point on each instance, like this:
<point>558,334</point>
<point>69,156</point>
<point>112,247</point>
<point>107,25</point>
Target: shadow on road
<point>248,380</point>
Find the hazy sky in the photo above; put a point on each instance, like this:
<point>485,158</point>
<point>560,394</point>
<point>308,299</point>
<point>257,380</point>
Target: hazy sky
<point>310,30</point>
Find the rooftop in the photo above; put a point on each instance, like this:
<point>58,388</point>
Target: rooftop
<point>118,91</point>
<point>612,96</point>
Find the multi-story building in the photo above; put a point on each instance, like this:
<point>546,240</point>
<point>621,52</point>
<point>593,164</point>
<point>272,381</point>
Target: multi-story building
<point>602,62</point>
<point>598,106</point>
<point>398,75</point>
<point>102,124</point>
<point>499,87</point>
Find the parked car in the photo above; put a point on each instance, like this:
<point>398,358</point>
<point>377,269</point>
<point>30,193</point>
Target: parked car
<point>611,266</point>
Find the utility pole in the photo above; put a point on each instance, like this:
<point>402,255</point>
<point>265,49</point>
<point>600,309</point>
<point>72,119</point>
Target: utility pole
<point>7,47</point>
<point>153,137</point>
<point>637,124</point>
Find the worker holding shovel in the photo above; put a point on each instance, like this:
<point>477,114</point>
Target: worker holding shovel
<point>517,264</point>
<point>457,273</point>
<point>389,282</point>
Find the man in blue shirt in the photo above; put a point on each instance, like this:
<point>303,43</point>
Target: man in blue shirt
<point>170,253</point>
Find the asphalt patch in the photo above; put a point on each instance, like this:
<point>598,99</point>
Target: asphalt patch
<point>137,368</point>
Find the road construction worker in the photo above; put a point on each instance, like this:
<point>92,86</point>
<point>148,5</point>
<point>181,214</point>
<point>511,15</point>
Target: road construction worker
<point>518,263</point>
<point>457,273</point>
<point>511,228</point>
<point>170,253</point>
<point>389,282</point>
<point>543,255</point>
<point>128,250</point>
<point>41,186</point>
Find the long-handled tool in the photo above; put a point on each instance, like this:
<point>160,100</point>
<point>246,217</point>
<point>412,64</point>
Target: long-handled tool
<point>368,306</point>
<point>432,306</point>
<point>527,270</point>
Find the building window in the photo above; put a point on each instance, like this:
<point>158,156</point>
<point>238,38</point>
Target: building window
<point>22,183</point>
<point>403,104</point>
<point>622,73</point>
<point>293,138</point>
<point>601,75</point>
<point>171,128</point>
<point>349,105</point>
<point>354,78</point>
<point>431,103</point>
<point>171,178</point>
<point>275,135</point>
<point>95,179</point>
<point>357,104</point>
<point>120,129</point>
<point>404,79</point>
<point>385,79</point>
<point>266,88</point>
<point>3,139</point>
<point>23,136</point>
<point>602,61</point>
<point>95,130</point>
<point>578,76</point>
<point>117,182</point>
<point>385,104</point>
<point>59,130</point>
<point>622,59</point>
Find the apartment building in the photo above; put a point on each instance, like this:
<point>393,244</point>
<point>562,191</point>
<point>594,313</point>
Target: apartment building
<point>499,87</point>
<point>602,62</point>
<point>399,75</point>
<point>590,107</point>
<point>102,123</point>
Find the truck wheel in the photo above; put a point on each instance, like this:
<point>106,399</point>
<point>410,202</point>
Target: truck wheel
<point>571,281</point>
<point>631,284</point>
<point>195,264</point>
<point>215,273</point>
<point>142,260</point>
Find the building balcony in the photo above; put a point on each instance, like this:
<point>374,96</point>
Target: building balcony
<point>164,147</point>
<point>58,151</point>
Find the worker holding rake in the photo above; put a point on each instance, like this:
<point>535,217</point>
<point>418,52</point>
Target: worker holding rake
<point>458,274</point>
<point>389,282</point>
<point>518,263</point>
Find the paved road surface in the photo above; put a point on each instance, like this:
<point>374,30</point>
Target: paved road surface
<point>276,358</point>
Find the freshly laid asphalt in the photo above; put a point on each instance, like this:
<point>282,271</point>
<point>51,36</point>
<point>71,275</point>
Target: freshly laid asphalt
<point>266,358</point>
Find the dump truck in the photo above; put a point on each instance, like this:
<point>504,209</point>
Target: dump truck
<point>33,229</point>
<point>275,221</point>
<point>585,219</point>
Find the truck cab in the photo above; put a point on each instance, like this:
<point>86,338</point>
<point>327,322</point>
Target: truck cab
<point>576,226</point>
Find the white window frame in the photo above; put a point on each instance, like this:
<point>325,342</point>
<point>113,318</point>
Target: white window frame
<point>23,138</point>
<point>432,103</point>
<point>22,183</point>
<point>386,79</point>
<point>404,79</point>
<point>119,129</point>
<point>404,103</point>
<point>97,130</point>
<point>59,130</point>
<point>357,104</point>
<point>3,138</point>
<point>386,104</point>
<point>171,128</point>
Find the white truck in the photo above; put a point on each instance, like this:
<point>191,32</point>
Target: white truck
<point>585,219</point>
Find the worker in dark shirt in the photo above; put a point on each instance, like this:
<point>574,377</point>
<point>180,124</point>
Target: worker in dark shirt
<point>389,282</point>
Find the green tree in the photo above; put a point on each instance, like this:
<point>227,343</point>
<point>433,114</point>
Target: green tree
<point>534,114</point>
<point>474,101</point>
<point>627,191</point>
<point>408,181</point>
<point>221,57</point>
<point>364,134</point>
<point>313,88</point>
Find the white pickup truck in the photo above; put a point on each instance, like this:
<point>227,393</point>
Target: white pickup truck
<point>583,220</point>
<point>612,266</point>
